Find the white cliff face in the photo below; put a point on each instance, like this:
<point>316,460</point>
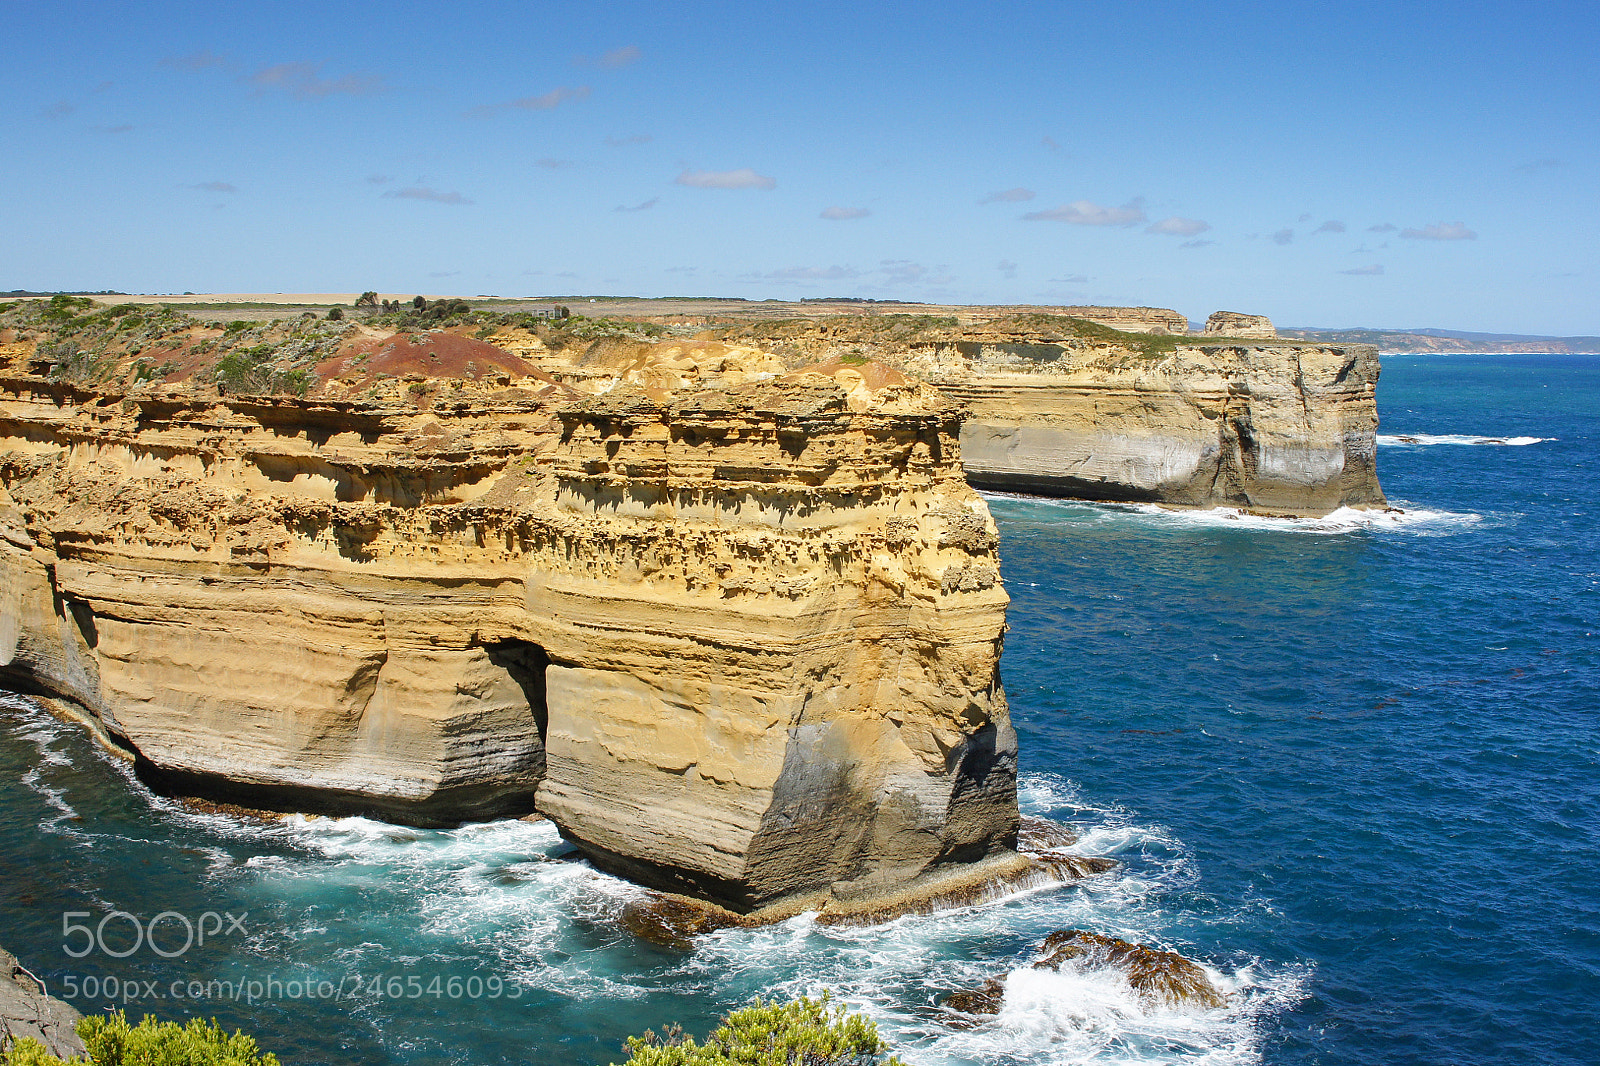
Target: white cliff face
<point>1279,429</point>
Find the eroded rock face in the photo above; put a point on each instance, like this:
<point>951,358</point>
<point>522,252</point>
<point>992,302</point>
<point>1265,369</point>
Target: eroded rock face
<point>1099,405</point>
<point>1159,320</point>
<point>27,1013</point>
<point>1234,324</point>
<point>737,642</point>
<point>1281,429</point>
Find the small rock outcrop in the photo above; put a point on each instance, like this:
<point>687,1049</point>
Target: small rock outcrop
<point>27,1013</point>
<point>1234,324</point>
<point>1161,979</point>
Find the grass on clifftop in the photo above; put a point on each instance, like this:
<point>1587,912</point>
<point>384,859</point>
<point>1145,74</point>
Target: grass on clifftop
<point>878,329</point>
<point>126,344</point>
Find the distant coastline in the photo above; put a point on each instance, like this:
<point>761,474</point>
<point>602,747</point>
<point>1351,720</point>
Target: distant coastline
<point>1397,342</point>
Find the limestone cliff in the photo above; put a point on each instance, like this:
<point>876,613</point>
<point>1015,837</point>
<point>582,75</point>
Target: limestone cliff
<point>1234,324</point>
<point>1286,430</point>
<point>736,640</point>
<point>1158,320</point>
<point>1063,406</point>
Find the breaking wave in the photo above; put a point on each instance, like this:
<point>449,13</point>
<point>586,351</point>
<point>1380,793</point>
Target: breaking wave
<point>335,896</point>
<point>1423,440</point>
<point>1401,517</point>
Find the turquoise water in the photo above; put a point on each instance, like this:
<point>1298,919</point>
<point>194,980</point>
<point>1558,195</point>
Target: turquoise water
<point>1352,766</point>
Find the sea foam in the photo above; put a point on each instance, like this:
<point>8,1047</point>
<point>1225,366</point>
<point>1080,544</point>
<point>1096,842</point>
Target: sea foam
<point>1424,440</point>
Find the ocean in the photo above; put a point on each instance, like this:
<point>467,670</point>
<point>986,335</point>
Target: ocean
<point>1351,766</point>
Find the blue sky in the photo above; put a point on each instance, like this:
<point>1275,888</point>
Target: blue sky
<point>1394,164</point>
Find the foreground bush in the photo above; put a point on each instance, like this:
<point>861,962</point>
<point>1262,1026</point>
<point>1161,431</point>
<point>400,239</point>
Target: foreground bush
<point>111,1041</point>
<point>806,1032</point>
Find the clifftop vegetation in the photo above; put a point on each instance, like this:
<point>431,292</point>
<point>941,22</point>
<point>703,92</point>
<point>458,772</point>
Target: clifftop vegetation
<point>70,339</point>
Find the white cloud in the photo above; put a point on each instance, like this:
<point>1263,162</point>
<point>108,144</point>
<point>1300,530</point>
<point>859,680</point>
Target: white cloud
<point>647,205</point>
<point>1330,226</point>
<point>841,214</point>
<point>832,273</point>
<point>1304,218</point>
<point>1283,236</point>
<point>554,164</point>
<point>1071,279</point>
<point>1375,268</point>
<point>305,81</point>
<point>1541,164</point>
<point>1383,227</point>
<point>743,178</point>
<point>1196,244</point>
<point>617,58</point>
<point>423,192</point>
<point>215,186</point>
<point>1050,143</point>
<point>1008,196</point>
<point>1088,213</point>
<point>1179,227</point>
<point>59,109</point>
<point>544,102</point>
<point>636,138</point>
<point>1441,231</point>
<point>378,179</point>
<point>1007,268</point>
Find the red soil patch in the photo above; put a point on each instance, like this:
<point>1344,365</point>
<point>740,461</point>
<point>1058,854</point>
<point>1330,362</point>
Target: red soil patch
<point>433,355</point>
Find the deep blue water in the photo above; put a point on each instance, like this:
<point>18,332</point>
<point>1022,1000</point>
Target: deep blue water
<point>1352,766</point>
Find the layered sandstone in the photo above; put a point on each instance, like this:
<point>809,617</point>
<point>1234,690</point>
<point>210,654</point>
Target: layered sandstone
<point>1062,406</point>
<point>737,635</point>
<point>1282,430</point>
<point>1234,324</point>
<point>1158,320</point>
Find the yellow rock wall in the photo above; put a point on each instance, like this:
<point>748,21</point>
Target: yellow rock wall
<point>739,642</point>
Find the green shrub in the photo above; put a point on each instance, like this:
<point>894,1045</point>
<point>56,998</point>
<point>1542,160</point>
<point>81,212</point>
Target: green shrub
<point>250,371</point>
<point>805,1032</point>
<point>335,314</point>
<point>66,307</point>
<point>111,1041</point>
<point>77,366</point>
